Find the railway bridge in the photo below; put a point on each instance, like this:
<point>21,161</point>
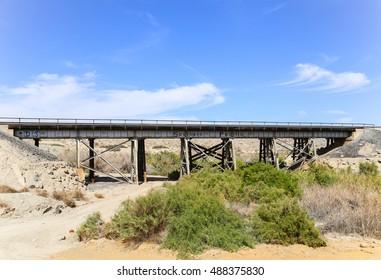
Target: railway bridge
<point>271,136</point>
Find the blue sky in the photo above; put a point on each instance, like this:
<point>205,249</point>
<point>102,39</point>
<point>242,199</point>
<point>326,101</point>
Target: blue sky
<point>291,60</point>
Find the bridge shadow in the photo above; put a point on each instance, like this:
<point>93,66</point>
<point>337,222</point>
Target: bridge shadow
<point>151,178</point>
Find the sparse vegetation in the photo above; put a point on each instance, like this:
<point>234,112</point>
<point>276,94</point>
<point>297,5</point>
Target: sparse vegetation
<point>349,204</point>
<point>368,168</point>
<point>7,189</point>
<point>91,228</point>
<point>3,204</point>
<point>163,163</point>
<point>42,193</point>
<point>99,195</point>
<point>70,197</point>
<point>323,175</point>
<point>158,147</point>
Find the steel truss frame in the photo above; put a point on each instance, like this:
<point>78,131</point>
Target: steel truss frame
<point>220,155</point>
<point>302,151</point>
<point>93,154</point>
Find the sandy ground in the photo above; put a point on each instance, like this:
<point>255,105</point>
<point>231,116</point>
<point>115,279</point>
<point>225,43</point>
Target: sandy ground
<point>339,248</point>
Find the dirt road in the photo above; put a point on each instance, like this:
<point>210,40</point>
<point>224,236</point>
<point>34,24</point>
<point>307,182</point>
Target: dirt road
<point>40,237</point>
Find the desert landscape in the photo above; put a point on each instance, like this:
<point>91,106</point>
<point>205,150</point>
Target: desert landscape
<point>47,203</point>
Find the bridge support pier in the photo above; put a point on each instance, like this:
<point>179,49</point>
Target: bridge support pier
<point>142,167</point>
<point>91,160</point>
<point>37,142</point>
<point>268,151</point>
<point>138,161</point>
<point>194,156</point>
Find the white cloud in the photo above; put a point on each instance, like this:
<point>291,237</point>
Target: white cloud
<point>302,113</point>
<point>313,77</point>
<point>52,95</point>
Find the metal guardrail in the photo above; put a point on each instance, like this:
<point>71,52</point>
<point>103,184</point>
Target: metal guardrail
<point>185,123</point>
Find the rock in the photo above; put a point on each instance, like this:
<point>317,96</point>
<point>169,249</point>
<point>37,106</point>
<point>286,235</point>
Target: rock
<point>58,210</point>
<point>366,246</point>
<point>47,209</point>
<point>36,177</point>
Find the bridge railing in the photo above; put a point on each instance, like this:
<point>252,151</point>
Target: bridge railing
<point>164,122</point>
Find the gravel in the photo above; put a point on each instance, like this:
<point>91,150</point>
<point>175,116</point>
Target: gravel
<point>366,145</point>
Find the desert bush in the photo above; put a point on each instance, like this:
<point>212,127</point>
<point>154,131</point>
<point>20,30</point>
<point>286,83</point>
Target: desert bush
<point>260,180</point>
<point>119,160</point>
<point>99,195</point>
<point>368,169</point>
<point>323,174</point>
<point>69,197</point>
<point>206,223</point>
<point>284,222</point>
<point>42,193</point>
<point>3,204</point>
<point>91,228</point>
<point>7,189</point>
<point>343,209</point>
<point>140,219</point>
<point>212,181</point>
<point>24,189</point>
<point>78,195</point>
<point>163,163</point>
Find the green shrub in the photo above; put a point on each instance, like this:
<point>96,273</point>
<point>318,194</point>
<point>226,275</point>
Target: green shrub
<point>368,168</point>
<point>212,181</point>
<point>164,163</point>
<point>174,175</point>
<point>284,222</point>
<point>206,223</point>
<point>274,182</point>
<point>261,193</point>
<point>91,228</point>
<point>323,174</point>
<point>140,219</point>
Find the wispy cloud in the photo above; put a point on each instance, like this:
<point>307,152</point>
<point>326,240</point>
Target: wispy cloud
<point>329,58</point>
<point>52,95</point>
<point>70,64</point>
<point>302,113</point>
<point>152,37</point>
<point>195,73</point>
<point>313,77</point>
<point>273,9</point>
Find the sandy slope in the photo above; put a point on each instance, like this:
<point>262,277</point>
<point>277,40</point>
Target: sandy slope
<point>38,237</point>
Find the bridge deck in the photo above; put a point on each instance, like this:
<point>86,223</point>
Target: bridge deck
<point>120,128</point>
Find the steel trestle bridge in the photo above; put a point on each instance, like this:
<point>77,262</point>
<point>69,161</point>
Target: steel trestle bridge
<point>271,136</point>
